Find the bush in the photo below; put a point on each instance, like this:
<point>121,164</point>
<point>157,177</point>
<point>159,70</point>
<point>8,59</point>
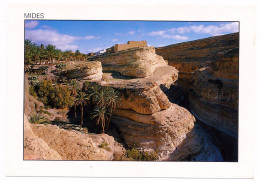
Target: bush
<point>134,154</point>
<point>37,119</point>
<point>137,155</point>
<point>61,66</point>
<point>103,145</point>
<point>53,96</point>
<point>32,91</point>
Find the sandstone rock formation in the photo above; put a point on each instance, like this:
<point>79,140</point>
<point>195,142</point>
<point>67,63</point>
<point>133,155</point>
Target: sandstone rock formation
<point>147,120</point>
<point>137,62</point>
<point>190,56</point>
<point>209,77</point>
<point>49,142</point>
<point>84,71</point>
<point>36,148</point>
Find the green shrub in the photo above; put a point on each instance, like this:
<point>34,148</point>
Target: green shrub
<point>134,154</point>
<point>61,66</point>
<point>37,119</point>
<point>32,91</point>
<point>104,144</point>
<point>53,96</point>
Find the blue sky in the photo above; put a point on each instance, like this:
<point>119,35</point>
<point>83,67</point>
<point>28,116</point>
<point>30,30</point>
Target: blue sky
<point>91,36</point>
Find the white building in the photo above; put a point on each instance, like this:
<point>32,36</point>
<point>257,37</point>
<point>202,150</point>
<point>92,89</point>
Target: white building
<point>100,52</point>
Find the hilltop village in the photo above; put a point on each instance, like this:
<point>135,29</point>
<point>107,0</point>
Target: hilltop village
<point>133,102</point>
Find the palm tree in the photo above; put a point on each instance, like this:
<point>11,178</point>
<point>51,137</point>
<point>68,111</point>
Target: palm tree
<point>51,53</point>
<point>81,99</point>
<point>77,55</point>
<point>101,99</point>
<point>28,52</point>
<point>112,101</point>
<point>74,85</point>
<point>101,114</point>
<point>113,98</point>
<point>42,53</point>
<point>93,92</point>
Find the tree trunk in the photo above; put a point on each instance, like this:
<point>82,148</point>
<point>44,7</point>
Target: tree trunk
<point>108,122</point>
<point>75,112</point>
<point>81,123</point>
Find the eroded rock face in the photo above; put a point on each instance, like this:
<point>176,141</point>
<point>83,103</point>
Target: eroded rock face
<point>49,142</point>
<point>73,145</point>
<point>215,102</point>
<point>209,78</point>
<point>138,62</point>
<point>36,148</point>
<point>197,146</point>
<point>145,117</point>
<point>85,71</point>
<point>162,131</point>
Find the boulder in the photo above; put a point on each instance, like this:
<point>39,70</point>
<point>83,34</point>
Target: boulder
<point>162,131</point>
<point>91,70</point>
<point>138,62</point>
<point>36,148</point>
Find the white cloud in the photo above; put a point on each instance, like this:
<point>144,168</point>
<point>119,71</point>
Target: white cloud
<point>176,37</point>
<point>125,34</point>
<point>89,37</point>
<point>183,29</point>
<point>115,40</point>
<point>46,27</point>
<point>172,30</point>
<point>131,32</point>
<point>210,29</point>
<point>49,36</point>
<point>157,33</point>
<point>31,24</point>
<point>164,34</point>
<point>216,30</point>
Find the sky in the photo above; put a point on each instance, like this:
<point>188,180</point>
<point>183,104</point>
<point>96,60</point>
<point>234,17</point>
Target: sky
<point>92,36</point>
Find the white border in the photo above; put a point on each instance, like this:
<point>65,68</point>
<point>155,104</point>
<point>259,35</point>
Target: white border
<point>14,154</point>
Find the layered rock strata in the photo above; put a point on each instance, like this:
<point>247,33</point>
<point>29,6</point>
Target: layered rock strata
<point>49,142</point>
<point>36,148</point>
<point>209,77</point>
<point>136,62</point>
<point>189,57</point>
<point>214,101</point>
<point>148,121</point>
<point>85,71</point>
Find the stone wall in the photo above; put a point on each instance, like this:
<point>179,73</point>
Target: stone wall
<point>130,44</point>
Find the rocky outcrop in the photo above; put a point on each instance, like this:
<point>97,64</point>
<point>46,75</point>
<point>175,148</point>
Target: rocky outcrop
<point>84,71</point>
<point>162,131</point>
<point>147,120</point>
<point>197,146</point>
<point>197,53</point>
<point>49,142</point>
<point>73,145</point>
<point>36,148</point>
<point>137,62</point>
<point>191,56</point>
<point>215,101</point>
<point>209,77</point>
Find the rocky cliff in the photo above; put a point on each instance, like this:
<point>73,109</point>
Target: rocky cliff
<point>209,77</point>
<point>84,71</point>
<point>147,120</point>
<point>136,62</point>
<point>49,142</point>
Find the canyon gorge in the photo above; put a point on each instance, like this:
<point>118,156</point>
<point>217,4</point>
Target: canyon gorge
<point>180,101</point>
